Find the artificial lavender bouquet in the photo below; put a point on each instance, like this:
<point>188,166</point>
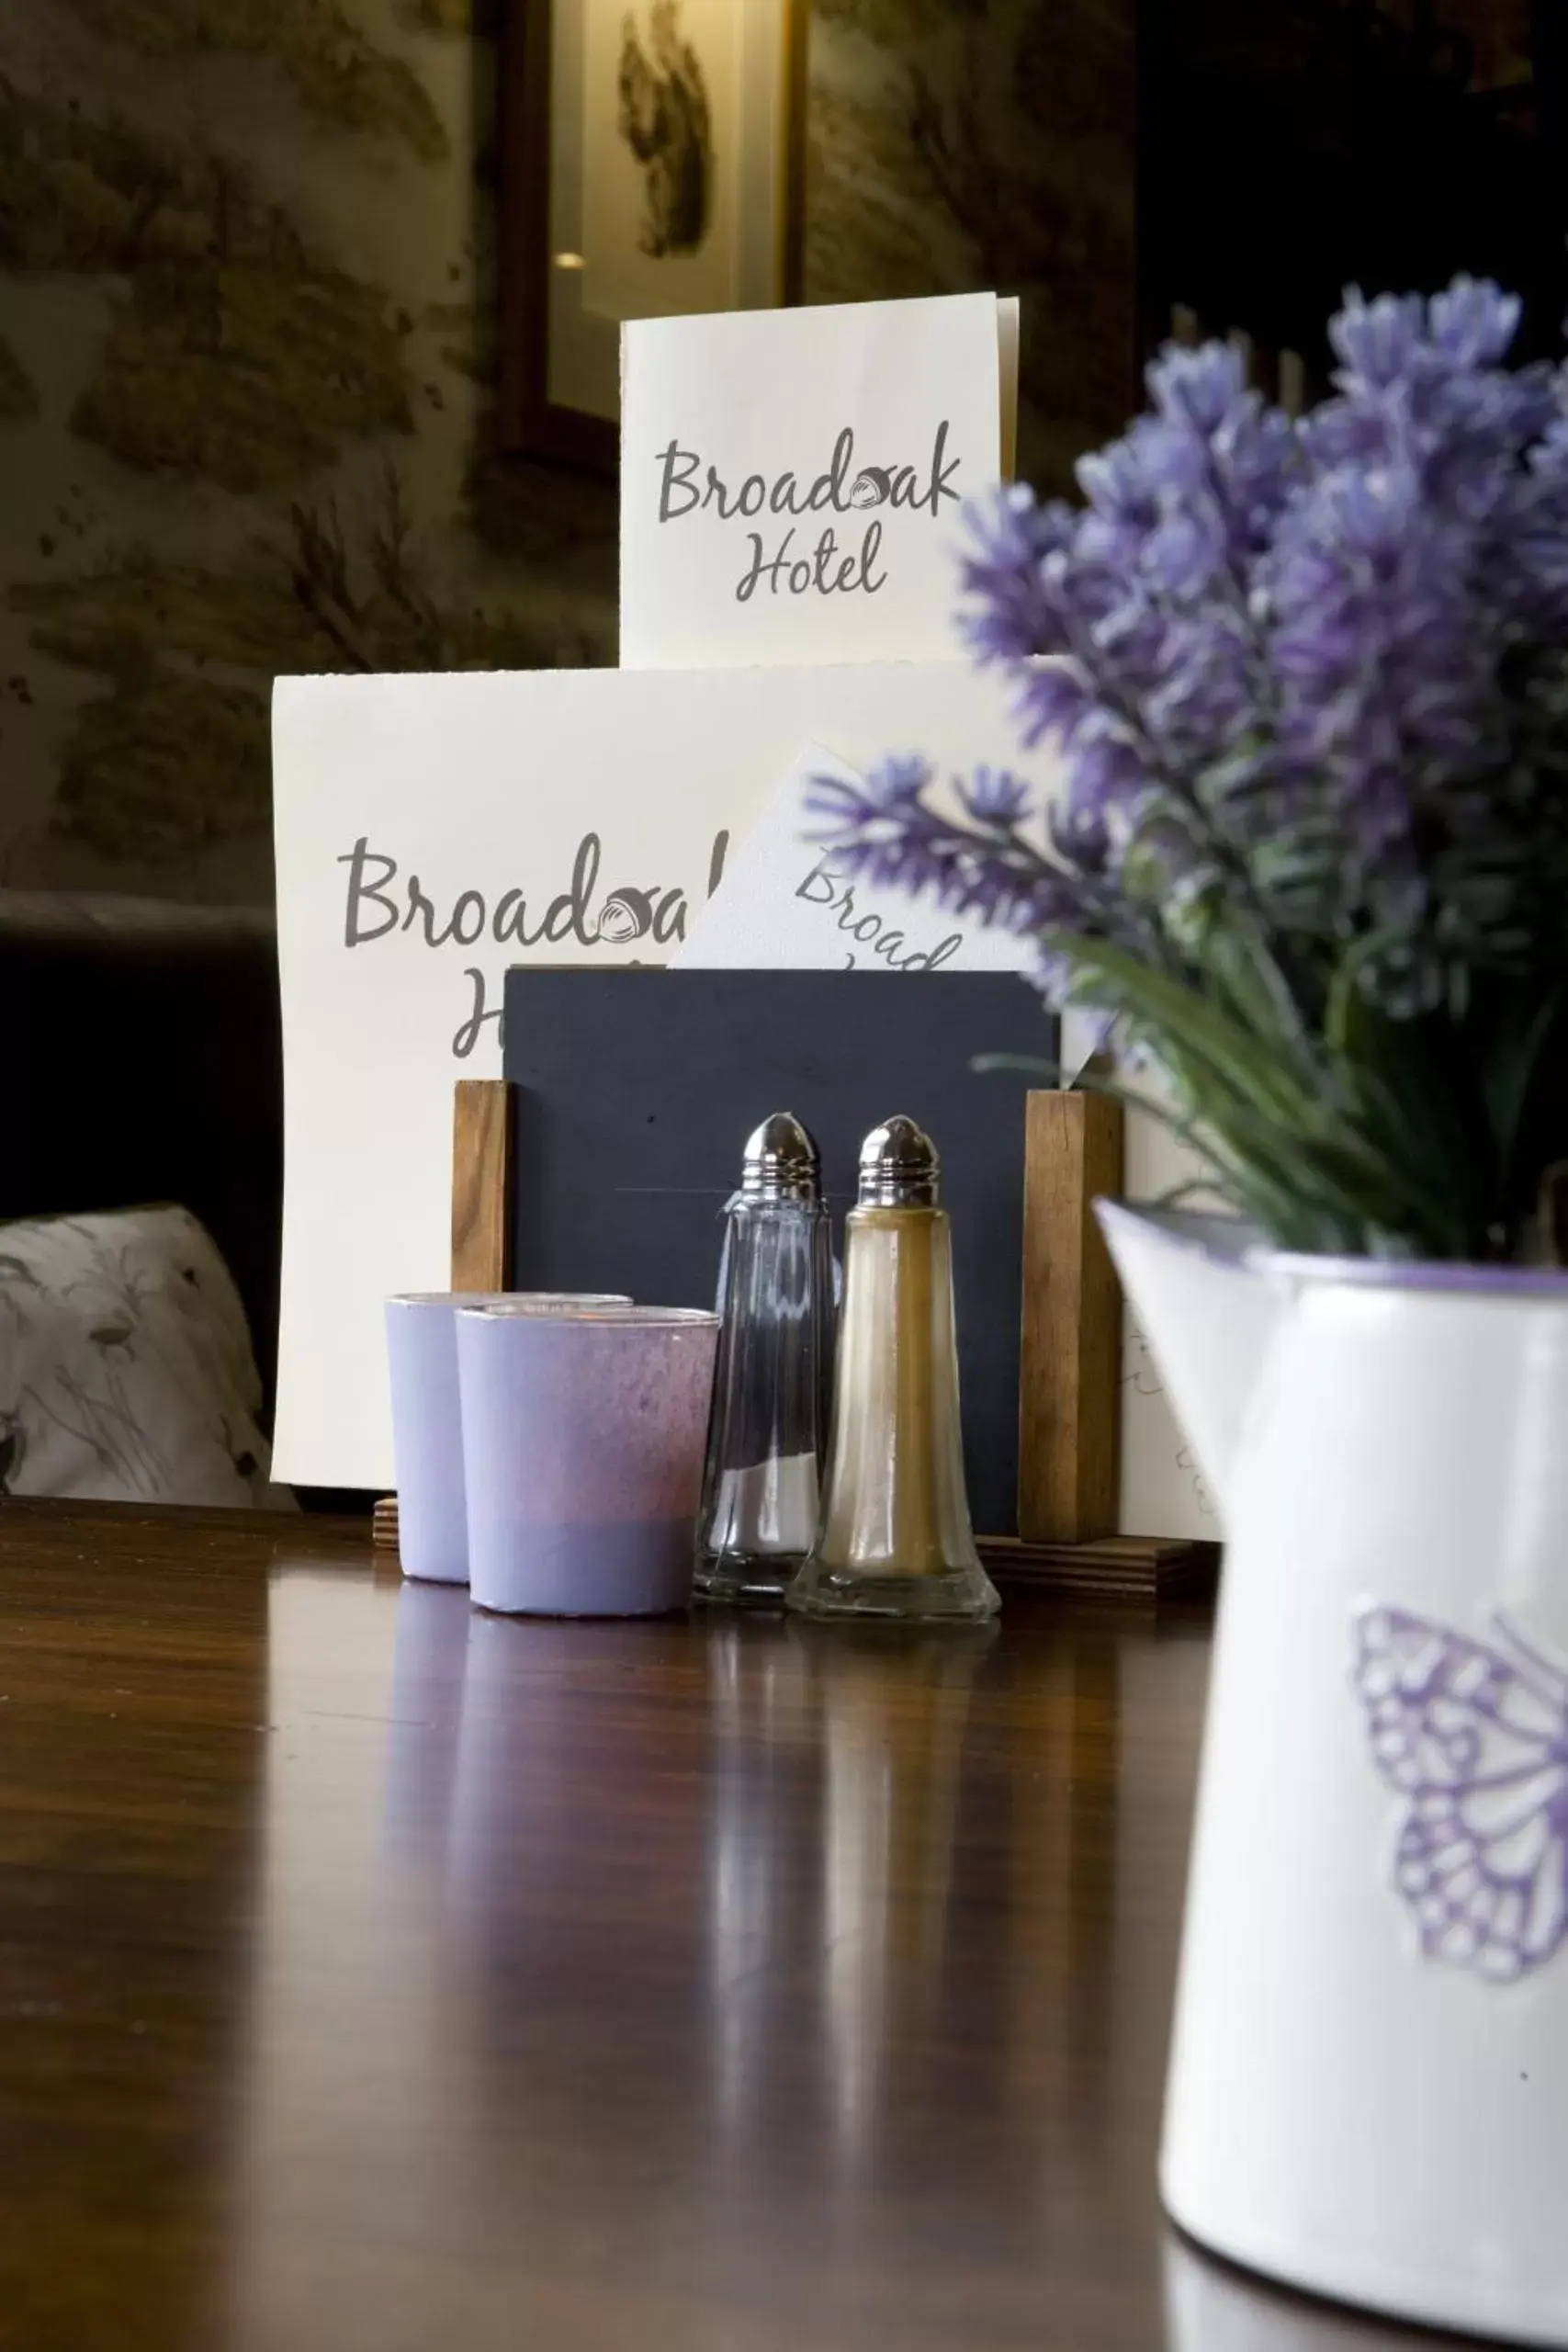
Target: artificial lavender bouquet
<point>1311,696</point>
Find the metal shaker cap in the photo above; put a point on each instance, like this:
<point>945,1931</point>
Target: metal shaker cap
<point>781,1162</point>
<point>899,1167</point>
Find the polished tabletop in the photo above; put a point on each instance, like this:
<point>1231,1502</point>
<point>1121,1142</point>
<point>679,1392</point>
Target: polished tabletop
<point>378,1972</point>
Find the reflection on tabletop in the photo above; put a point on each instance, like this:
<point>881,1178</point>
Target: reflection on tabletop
<point>739,1978</point>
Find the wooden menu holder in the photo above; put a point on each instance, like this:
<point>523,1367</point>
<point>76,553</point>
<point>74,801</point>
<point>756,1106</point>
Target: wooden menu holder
<point>482,1184</point>
<point>1069,1374</point>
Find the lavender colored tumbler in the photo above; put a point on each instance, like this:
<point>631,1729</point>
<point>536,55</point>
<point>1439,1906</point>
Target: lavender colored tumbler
<point>427,1426</point>
<point>583,1441</point>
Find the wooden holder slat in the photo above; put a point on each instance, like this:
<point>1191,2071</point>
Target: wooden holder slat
<point>1117,1567</point>
<point>1069,1366</point>
<point>482,1184</point>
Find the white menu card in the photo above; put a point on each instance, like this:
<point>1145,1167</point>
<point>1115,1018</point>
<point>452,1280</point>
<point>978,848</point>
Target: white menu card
<point>787,904</point>
<point>792,481</point>
<point>432,831</point>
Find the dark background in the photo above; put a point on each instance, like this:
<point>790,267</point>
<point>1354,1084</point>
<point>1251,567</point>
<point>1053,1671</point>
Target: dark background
<point>1288,148</point>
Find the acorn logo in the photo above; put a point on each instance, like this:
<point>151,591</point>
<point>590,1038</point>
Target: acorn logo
<point>627,915</point>
<point>871,487</point>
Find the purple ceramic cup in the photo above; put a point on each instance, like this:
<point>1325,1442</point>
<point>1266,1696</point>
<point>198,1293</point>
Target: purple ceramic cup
<point>427,1427</point>
<point>583,1439</point>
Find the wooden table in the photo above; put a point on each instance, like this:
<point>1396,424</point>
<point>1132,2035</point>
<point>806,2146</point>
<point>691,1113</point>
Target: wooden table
<point>375,1973</point>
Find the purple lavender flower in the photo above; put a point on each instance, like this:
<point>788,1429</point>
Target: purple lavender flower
<point>995,797</point>
<point>1256,629</point>
<point>1380,344</point>
<point>1012,538</point>
<point>1308,682</point>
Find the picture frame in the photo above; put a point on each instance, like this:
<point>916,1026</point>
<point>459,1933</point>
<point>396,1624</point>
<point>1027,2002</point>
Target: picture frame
<point>651,162</point>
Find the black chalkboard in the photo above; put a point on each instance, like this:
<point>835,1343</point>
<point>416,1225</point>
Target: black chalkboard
<point>635,1090</point>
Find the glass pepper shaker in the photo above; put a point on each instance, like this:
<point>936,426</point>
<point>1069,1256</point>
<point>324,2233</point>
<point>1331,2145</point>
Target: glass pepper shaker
<point>773,1382</point>
<point>894,1539</point>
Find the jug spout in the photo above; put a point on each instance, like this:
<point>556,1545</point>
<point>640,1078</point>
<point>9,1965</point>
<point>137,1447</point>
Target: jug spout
<point>1207,1314</point>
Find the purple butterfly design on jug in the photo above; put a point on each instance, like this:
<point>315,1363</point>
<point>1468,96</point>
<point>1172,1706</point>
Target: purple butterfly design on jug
<point>1475,1739</point>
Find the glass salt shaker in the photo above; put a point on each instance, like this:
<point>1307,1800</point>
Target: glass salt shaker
<point>894,1538</point>
<point>773,1382</point>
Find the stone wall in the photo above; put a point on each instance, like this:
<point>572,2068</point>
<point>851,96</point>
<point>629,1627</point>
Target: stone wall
<point>245,297</point>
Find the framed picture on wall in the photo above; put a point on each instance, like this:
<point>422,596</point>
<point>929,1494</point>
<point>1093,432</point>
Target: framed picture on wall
<point>651,164</point>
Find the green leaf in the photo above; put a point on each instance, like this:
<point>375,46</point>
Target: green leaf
<point>1508,1071</point>
<point>1237,1056</point>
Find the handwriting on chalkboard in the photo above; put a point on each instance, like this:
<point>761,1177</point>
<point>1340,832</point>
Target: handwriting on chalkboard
<point>788,564</point>
<point>382,901</point>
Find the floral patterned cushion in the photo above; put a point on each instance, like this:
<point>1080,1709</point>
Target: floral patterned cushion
<point>126,1370</point>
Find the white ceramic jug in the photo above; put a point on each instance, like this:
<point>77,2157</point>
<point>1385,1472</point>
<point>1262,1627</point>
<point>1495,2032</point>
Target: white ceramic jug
<point>1368,2085</point>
